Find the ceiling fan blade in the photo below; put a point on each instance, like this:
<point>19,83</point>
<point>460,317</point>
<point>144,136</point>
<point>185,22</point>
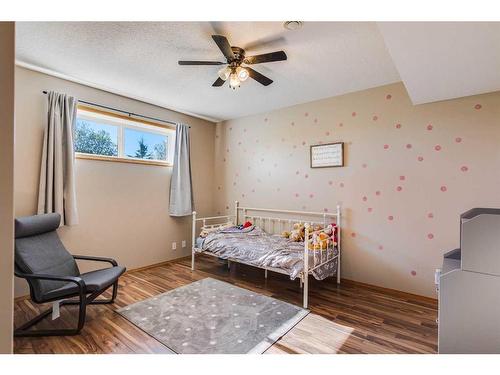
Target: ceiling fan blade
<point>219,82</point>
<point>224,46</point>
<point>266,57</point>
<point>262,79</point>
<point>181,62</point>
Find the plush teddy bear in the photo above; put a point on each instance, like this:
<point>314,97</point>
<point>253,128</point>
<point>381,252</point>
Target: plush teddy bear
<point>285,234</point>
<point>298,232</point>
<point>319,241</point>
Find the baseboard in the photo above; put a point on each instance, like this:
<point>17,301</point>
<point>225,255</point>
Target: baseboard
<point>158,264</point>
<point>395,292</point>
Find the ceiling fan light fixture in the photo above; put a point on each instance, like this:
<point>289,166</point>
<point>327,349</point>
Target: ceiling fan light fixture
<point>242,73</point>
<point>234,81</point>
<point>224,73</point>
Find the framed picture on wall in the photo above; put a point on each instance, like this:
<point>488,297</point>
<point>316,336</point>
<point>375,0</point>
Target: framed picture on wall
<point>327,155</point>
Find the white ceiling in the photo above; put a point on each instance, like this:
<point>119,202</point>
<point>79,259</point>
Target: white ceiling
<point>435,61</point>
<point>445,60</point>
<point>140,60</point>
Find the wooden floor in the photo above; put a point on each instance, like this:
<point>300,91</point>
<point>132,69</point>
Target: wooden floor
<point>346,318</point>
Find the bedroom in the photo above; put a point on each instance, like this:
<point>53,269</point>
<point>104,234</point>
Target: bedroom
<point>307,199</point>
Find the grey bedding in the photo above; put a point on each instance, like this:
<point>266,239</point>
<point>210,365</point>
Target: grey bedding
<point>261,249</point>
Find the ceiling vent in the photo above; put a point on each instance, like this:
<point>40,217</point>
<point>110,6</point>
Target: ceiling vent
<point>292,25</point>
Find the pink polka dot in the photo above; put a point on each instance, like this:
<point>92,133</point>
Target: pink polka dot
<point>365,199</point>
<point>399,188</point>
<point>341,184</point>
<point>278,189</point>
<point>369,209</point>
<point>377,193</point>
<point>388,96</point>
<point>420,158</point>
<point>303,143</point>
<point>306,114</point>
<point>364,165</point>
<point>353,234</point>
<point>341,124</point>
<point>458,139</point>
<point>330,182</point>
<point>265,119</point>
<point>437,148</point>
<point>478,106</point>
<point>325,209</point>
<point>408,145</point>
<point>327,134</point>
<point>386,147</point>
<point>398,126</point>
<point>443,188</point>
<point>315,120</point>
<point>243,195</point>
<point>430,236</point>
<point>353,114</point>
<point>253,190</point>
<point>402,178</point>
<point>297,195</point>
<point>292,123</point>
<point>430,215</point>
<point>294,146</point>
<point>429,127</point>
<point>282,140</point>
<point>297,172</point>
<point>306,176</point>
<point>311,195</point>
<point>464,168</point>
<point>375,118</point>
<point>230,129</point>
<point>227,207</point>
<point>390,218</point>
<point>239,143</point>
<point>413,273</point>
<point>380,247</point>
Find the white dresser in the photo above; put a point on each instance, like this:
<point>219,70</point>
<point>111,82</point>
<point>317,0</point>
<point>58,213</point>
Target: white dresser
<point>469,287</point>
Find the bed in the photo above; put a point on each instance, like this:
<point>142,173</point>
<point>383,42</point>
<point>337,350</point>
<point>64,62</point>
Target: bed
<point>263,246</point>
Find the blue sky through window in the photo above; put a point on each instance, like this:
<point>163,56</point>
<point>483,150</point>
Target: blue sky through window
<point>132,138</point>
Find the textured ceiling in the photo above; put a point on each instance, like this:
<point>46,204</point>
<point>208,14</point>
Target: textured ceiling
<point>140,60</point>
<point>445,60</point>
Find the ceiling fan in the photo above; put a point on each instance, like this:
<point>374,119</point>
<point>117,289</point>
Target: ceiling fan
<point>235,57</point>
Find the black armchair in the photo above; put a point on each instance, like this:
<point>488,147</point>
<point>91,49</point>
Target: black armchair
<point>53,274</point>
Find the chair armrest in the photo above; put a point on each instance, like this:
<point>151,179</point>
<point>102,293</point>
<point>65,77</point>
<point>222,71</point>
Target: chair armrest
<point>96,259</point>
<point>71,279</point>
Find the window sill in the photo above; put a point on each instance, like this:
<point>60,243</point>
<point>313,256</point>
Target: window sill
<point>116,159</point>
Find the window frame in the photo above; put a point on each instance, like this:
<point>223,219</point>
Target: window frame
<point>123,122</point>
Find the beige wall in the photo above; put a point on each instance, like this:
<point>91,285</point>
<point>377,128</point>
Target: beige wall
<point>401,204</point>
<point>123,208</point>
<point>6,183</point>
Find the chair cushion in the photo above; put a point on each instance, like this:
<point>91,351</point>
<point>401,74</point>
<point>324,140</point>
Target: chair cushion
<point>43,253</point>
<point>37,224</point>
<point>95,280</point>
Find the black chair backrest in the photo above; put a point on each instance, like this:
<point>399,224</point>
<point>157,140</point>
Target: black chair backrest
<point>38,250</point>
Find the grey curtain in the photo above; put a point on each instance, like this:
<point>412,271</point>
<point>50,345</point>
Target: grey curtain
<point>181,191</point>
<point>56,192</point>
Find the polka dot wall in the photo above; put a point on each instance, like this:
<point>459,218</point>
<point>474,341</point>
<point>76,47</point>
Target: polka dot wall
<point>409,173</point>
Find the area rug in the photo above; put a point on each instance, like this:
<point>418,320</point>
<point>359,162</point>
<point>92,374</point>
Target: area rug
<point>213,317</point>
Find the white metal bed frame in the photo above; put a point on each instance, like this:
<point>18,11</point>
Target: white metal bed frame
<point>281,224</point>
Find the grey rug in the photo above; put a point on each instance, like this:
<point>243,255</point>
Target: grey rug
<point>211,316</point>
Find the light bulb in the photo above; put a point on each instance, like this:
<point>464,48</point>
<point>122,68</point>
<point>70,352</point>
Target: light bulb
<point>233,80</point>
<point>242,73</point>
<point>224,73</point>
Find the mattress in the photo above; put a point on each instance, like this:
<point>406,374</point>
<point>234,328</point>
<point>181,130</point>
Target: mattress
<point>261,249</point>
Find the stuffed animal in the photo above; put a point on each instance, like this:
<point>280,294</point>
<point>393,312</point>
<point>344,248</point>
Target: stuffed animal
<point>298,232</point>
<point>319,241</point>
<point>285,234</point>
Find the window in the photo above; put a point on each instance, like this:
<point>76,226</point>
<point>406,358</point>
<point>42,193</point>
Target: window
<point>107,136</point>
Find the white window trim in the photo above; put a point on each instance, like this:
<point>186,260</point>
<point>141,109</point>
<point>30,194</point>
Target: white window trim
<point>122,122</point>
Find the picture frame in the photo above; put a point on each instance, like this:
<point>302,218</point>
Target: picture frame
<point>327,155</point>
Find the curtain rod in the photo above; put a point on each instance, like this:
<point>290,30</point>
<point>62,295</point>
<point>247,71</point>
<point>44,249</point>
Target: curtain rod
<point>130,114</point>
